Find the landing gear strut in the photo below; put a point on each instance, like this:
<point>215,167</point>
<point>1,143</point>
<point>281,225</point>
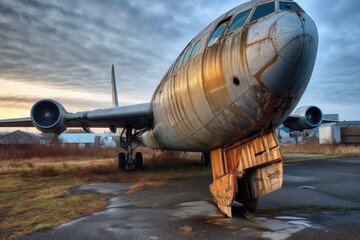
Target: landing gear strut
<point>126,143</point>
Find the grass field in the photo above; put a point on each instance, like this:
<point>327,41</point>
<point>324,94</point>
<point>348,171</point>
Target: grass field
<point>35,189</point>
<point>36,181</point>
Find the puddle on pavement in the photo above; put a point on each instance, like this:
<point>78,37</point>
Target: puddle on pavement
<point>267,226</point>
<point>289,178</point>
<point>307,187</point>
<point>194,209</point>
<point>111,188</point>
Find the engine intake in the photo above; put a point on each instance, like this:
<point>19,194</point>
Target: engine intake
<point>306,117</point>
<point>48,116</point>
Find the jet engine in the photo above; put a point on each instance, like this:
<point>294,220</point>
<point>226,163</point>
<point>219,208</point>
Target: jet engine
<point>48,116</point>
<point>306,117</point>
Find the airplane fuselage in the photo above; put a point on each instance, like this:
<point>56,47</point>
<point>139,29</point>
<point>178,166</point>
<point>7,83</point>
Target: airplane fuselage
<point>234,82</point>
<point>245,82</point>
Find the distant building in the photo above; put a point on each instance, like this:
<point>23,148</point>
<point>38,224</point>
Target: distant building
<point>80,139</point>
<point>88,139</point>
<point>20,137</point>
<point>331,117</point>
<point>347,132</point>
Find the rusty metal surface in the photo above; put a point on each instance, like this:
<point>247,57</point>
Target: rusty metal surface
<point>267,179</point>
<point>246,172</point>
<point>198,106</point>
<point>244,84</point>
<point>224,190</point>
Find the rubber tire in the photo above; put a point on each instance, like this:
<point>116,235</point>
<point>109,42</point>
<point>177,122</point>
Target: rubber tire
<point>138,161</point>
<point>205,159</point>
<point>122,161</point>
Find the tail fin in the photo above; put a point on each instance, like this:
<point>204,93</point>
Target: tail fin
<point>115,101</point>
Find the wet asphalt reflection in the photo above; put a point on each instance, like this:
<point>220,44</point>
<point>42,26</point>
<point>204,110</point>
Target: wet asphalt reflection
<point>320,200</point>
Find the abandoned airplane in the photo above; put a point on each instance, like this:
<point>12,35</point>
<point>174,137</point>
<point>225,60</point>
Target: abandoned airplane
<point>235,81</point>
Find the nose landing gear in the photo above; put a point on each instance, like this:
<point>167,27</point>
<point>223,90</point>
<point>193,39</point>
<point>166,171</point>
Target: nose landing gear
<point>129,160</point>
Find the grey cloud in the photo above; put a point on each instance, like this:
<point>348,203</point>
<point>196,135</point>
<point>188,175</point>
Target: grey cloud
<point>88,39</point>
<point>335,83</point>
<point>72,44</point>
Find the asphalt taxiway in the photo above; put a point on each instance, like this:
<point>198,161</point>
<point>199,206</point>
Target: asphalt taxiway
<point>320,199</point>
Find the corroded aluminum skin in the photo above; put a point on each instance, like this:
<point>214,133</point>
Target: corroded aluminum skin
<point>199,108</point>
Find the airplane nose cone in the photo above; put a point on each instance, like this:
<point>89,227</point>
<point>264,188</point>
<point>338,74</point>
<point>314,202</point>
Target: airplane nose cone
<point>291,34</point>
<point>295,40</point>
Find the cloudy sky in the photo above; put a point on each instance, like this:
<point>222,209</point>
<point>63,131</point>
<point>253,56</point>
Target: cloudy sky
<point>63,49</point>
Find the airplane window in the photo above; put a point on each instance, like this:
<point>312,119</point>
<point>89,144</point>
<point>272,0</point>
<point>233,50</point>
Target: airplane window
<point>290,6</point>
<point>239,20</point>
<point>177,65</point>
<point>195,48</point>
<point>186,56</point>
<point>217,34</point>
<point>263,10</point>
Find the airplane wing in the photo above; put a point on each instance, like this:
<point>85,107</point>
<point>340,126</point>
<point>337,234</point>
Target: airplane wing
<point>134,116</point>
<point>50,116</point>
<point>18,122</point>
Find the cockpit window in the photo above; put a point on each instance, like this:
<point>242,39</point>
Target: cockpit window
<point>178,63</point>
<point>263,10</point>
<point>186,56</point>
<point>195,48</point>
<point>239,20</point>
<point>290,6</point>
<point>217,34</point>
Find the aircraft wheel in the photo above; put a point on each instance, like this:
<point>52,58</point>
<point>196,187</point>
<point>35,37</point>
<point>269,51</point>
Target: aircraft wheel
<point>121,161</point>
<point>205,159</point>
<point>138,161</point>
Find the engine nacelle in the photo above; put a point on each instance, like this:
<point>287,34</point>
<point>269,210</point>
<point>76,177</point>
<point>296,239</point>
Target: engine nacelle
<point>48,116</point>
<point>306,117</point>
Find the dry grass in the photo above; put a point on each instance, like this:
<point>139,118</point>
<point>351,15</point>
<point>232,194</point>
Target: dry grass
<point>186,229</point>
<point>40,203</point>
<point>140,185</point>
<point>34,191</point>
<point>55,152</point>
<point>326,149</point>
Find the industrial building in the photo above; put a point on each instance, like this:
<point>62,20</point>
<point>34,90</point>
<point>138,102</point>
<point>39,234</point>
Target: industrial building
<point>20,137</point>
<point>88,139</point>
<point>347,132</point>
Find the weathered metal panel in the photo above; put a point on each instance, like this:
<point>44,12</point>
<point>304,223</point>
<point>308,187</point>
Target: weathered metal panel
<point>350,139</point>
<point>267,179</point>
<point>202,109</point>
<point>329,134</point>
<point>209,109</point>
<point>350,131</point>
<point>213,78</point>
<point>224,190</point>
<point>350,135</point>
<point>217,162</point>
<point>256,163</point>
